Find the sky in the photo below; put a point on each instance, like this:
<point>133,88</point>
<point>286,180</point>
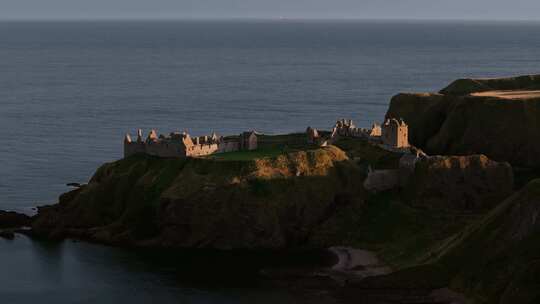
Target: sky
<point>317,9</point>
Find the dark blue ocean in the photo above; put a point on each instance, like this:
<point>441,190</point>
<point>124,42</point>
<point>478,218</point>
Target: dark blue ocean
<point>69,91</point>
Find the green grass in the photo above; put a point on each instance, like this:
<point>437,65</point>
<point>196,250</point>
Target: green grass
<point>247,155</point>
<point>400,234</point>
<point>293,141</point>
<point>268,146</point>
<point>369,154</point>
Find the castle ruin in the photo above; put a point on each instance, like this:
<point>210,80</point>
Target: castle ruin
<point>178,144</point>
<point>395,133</point>
<point>342,129</point>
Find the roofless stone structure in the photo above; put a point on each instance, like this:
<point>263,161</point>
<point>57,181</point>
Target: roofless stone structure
<point>178,144</point>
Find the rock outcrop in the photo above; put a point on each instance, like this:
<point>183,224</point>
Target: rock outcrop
<point>473,116</point>
<point>205,203</point>
<point>463,183</point>
<point>10,219</point>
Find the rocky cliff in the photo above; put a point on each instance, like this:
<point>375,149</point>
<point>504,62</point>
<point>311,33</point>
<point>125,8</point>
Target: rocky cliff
<point>204,203</point>
<point>464,183</point>
<point>312,198</point>
<point>305,198</point>
<point>496,117</point>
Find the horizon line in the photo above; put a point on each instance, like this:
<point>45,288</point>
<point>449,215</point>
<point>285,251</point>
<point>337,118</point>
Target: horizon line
<point>278,18</point>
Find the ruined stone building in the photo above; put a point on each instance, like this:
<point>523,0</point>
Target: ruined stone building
<point>346,128</point>
<point>314,137</point>
<point>376,130</point>
<point>395,133</point>
<point>388,179</point>
<point>248,141</point>
<point>342,129</point>
<point>178,144</point>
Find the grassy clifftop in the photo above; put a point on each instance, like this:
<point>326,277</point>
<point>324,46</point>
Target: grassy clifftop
<point>468,85</point>
<point>502,127</point>
<point>270,202</point>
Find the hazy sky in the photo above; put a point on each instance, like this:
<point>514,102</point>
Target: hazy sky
<point>372,9</point>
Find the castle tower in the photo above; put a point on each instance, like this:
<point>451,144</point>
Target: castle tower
<point>376,130</point>
<point>131,147</point>
<point>186,139</point>
<point>248,141</point>
<point>139,136</point>
<point>395,133</point>
<point>152,136</point>
<point>312,135</point>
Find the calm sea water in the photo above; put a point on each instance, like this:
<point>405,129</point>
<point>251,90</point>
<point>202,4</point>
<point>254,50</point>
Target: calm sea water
<point>69,92</point>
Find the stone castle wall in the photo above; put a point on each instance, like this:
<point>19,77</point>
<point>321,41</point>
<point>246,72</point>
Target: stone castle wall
<point>202,149</point>
<point>228,146</point>
<point>182,145</point>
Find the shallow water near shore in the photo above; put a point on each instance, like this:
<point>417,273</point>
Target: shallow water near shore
<point>78,272</point>
<point>69,92</point>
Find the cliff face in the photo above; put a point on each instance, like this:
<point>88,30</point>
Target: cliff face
<point>465,183</point>
<point>459,120</point>
<point>204,203</point>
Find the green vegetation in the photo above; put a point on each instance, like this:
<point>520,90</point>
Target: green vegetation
<point>271,202</point>
<point>247,155</point>
<point>467,86</point>
<point>269,146</point>
<point>368,154</point>
<point>495,260</point>
<point>401,235</point>
<point>288,142</point>
<point>288,195</point>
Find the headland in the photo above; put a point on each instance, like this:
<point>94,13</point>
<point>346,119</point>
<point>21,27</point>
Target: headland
<point>442,195</point>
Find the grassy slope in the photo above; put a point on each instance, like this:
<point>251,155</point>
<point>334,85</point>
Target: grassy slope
<point>247,155</point>
<point>497,259</point>
<point>367,154</point>
<point>401,235</point>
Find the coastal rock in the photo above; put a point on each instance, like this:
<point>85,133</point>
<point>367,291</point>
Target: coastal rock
<point>476,116</point>
<point>7,234</point>
<point>464,183</point>
<point>205,203</point>
<point>10,219</point>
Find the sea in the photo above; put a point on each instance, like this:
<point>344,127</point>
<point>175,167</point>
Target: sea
<point>70,91</point>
